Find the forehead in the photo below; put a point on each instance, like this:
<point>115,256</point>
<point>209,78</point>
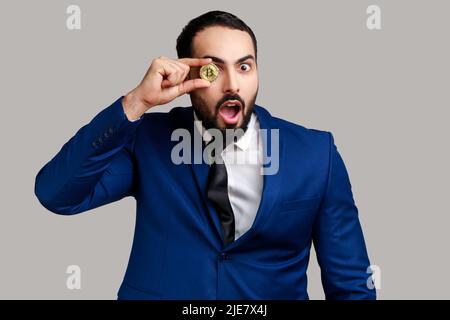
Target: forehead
<point>228,44</point>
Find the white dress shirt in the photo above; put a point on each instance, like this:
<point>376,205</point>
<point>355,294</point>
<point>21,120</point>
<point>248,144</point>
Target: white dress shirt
<point>243,163</point>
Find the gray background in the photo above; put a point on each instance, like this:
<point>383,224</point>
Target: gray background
<point>383,94</point>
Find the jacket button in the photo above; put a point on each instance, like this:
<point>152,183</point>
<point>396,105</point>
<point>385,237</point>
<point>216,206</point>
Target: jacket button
<point>224,256</point>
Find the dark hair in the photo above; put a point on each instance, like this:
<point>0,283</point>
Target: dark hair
<point>211,18</point>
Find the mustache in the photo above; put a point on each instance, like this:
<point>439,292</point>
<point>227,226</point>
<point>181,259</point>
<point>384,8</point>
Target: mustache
<point>229,97</point>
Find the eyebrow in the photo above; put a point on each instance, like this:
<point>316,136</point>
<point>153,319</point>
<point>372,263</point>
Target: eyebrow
<point>219,60</point>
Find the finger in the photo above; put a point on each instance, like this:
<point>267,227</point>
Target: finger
<point>166,84</point>
<point>191,85</point>
<point>172,75</point>
<point>195,62</point>
<point>185,69</point>
<point>179,72</point>
<point>182,65</point>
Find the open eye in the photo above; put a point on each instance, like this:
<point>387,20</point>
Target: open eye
<point>244,67</point>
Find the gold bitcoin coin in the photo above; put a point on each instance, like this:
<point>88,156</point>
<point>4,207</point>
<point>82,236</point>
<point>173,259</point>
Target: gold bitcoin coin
<point>209,72</point>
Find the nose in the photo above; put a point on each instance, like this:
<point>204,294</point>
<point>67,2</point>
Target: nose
<point>230,82</point>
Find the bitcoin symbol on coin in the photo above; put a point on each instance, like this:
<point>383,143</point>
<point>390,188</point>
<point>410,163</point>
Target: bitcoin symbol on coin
<point>209,72</point>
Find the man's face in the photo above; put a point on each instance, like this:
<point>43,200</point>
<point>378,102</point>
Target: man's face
<point>233,53</point>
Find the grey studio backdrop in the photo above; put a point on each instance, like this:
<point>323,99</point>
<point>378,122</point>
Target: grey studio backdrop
<point>383,94</point>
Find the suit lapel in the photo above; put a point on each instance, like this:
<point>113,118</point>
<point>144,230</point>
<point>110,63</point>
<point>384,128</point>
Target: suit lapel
<point>200,170</point>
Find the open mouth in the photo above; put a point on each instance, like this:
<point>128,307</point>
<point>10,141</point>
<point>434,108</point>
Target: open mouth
<point>230,111</point>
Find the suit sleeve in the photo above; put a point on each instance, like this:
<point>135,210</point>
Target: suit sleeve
<point>338,237</point>
<point>93,168</point>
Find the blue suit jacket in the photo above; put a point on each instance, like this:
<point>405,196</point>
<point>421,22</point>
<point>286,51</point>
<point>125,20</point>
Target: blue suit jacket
<point>177,251</point>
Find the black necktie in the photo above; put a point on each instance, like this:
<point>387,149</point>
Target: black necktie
<point>218,195</point>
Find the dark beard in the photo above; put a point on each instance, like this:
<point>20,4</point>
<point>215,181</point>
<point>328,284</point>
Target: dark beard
<point>209,120</point>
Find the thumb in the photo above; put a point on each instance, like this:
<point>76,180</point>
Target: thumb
<point>190,85</point>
